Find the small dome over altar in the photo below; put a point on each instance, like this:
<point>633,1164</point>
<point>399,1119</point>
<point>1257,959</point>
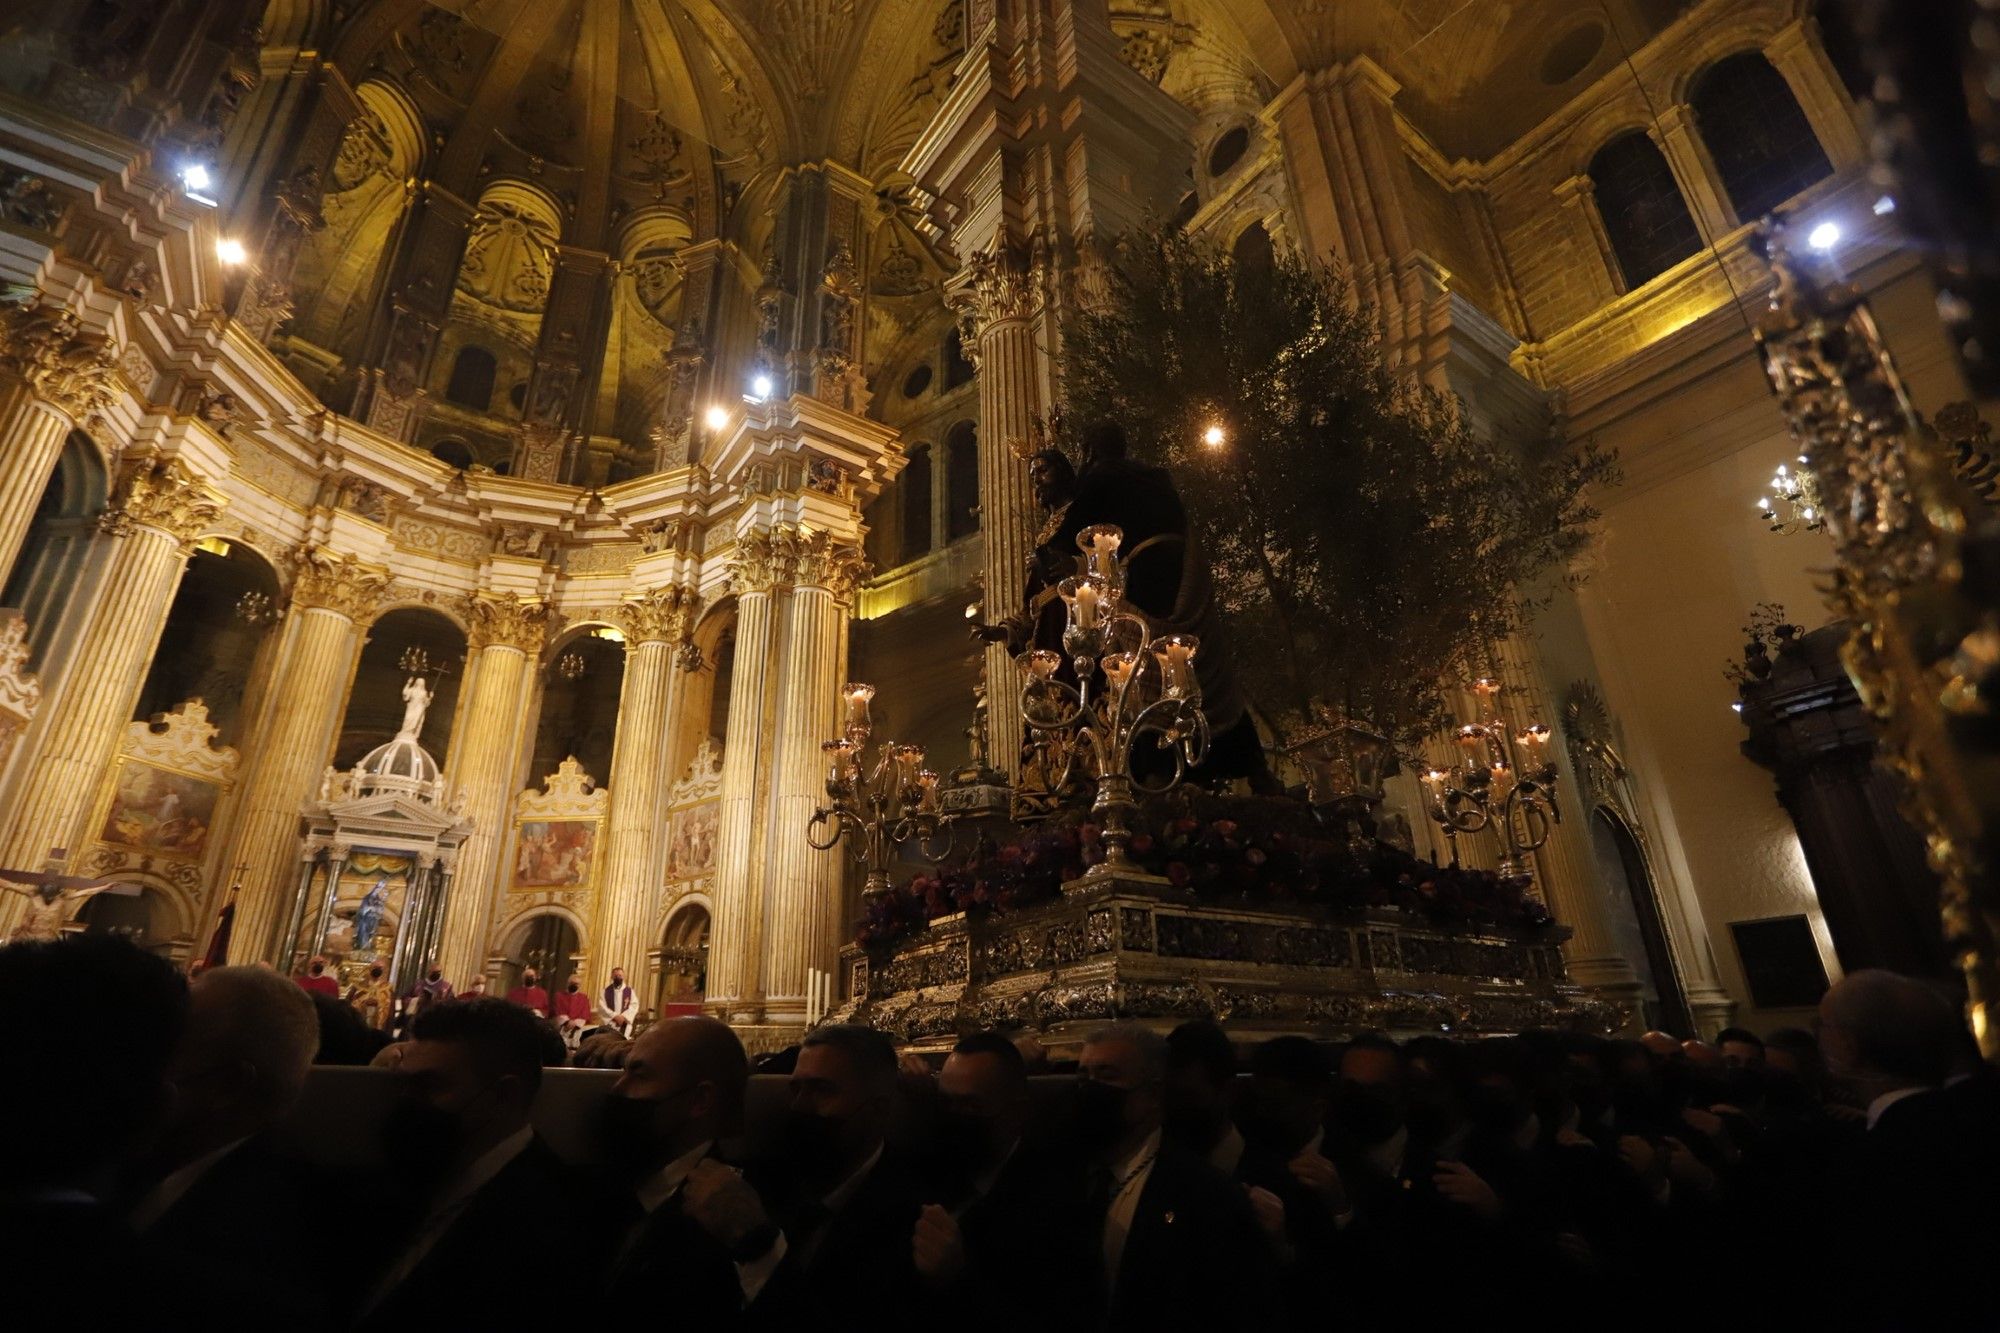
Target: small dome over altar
<point>402,765</point>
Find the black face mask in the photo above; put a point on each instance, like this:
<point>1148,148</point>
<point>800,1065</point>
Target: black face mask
<point>1098,1113</point>
<point>966,1140</point>
<point>633,1131</point>
<point>1367,1113</point>
<point>374,974</point>
<point>1433,1111</point>
<point>1744,1088</point>
<point>809,1144</point>
<point>572,988</point>
<point>528,980</point>
<point>421,1141</point>
<point>435,974</point>
<point>318,968</point>
<point>1200,1128</point>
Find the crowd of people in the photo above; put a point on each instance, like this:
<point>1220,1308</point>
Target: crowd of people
<point>1837,1178</point>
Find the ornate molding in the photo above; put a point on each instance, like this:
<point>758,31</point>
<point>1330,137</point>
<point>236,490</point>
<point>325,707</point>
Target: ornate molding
<point>541,451</point>
<point>184,741</point>
<point>754,565</point>
<point>330,581</point>
<point>20,690</point>
<point>163,494</point>
<point>506,621</point>
<point>703,779</point>
<point>1008,282</point>
<point>47,347</point>
<point>661,616</point>
<point>569,792</point>
<point>816,560</point>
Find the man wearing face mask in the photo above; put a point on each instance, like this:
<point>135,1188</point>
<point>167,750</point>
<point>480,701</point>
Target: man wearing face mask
<point>482,1186</point>
<point>1179,1245</point>
<point>1014,1207</point>
<point>619,1004</point>
<point>1201,1074</point>
<point>530,994</point>
<point>698,1230</point>
<point>848,1204</point>
<point>572,1013</point>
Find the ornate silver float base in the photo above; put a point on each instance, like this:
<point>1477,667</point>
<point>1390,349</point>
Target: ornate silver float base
<point>1138,949</point>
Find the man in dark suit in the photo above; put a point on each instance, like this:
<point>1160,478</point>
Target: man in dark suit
<point>1179,1246</point>
<point>1012,1208</point>
<point>848,1205</point>
<point>485,1189</point>
<point>217,1201</point>
<point>697,1234</point>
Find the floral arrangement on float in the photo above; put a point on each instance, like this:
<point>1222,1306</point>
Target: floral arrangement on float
<point>1223,851</point>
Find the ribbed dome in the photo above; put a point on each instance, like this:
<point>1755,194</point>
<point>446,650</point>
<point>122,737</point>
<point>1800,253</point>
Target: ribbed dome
<point>400,766</point>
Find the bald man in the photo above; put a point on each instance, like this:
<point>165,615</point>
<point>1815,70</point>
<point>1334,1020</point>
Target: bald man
<point>220,1200</point>
<point>696,1236</point>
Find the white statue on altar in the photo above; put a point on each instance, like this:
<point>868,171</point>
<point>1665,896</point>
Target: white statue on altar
<point>416,701</point>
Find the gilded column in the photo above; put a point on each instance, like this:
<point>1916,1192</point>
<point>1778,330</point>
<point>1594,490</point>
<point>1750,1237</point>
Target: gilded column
<point>1564,866</point>
<point>736,948</point>
<point>56,378</point>
<point>485,766</point>
<point>159,511</point>
<point>655,624</point>
<point>1000,304</point>
<point>802,895</point>
<point>333,598</point>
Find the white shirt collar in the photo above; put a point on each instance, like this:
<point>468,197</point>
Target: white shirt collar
<point>845,1190</point>
<point>1127,1166</point>
<point>657,1188</point>
<point>1227,1154</point>
<point>1887,1100</point>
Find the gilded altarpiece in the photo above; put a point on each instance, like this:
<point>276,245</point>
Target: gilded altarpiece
<point>693,818</point>
<point>155,813</point>
<point>555,857</point>
<point>20,690</point>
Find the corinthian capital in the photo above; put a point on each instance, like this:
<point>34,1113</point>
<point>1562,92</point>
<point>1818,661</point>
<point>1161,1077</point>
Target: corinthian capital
<point>661,616</point>
<point>1006,282</point>
<point>756,565</point>
<point>45,346</point>
<point>161,493</point>
<point>507,621</point>
<point>330,581</point>
<point>818,561</point>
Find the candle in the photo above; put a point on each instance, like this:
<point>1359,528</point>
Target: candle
<point>1175,653</point>
<point>909,758</point>
<point>1041,663</point>
<point>1118,667</point>
<point>927,782</point>
<point>1471,735</point>
<point>1537,734</point>
<point>1435,777</point>
<point>857,697</point>
<point>1100,543</point>
<point>1486,685</point>
<point>1087,599</point>
<point>839,756</point>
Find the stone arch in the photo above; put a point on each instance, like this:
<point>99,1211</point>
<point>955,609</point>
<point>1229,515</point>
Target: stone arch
<point>374,708</point>
<point>50,580</point>
<point>577,714</point>
<point>217,642</point>
<point>1637,917</point>
<point>515,938</point>
<point>683,951</point>
<point>1757,132</point>
<point>167,912</point>
<point>1646,217</point>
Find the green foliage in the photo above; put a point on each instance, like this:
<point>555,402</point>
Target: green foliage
<point>1368,547</point>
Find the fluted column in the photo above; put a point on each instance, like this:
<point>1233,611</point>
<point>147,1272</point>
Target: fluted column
<point>655,624</point>
<point>1002,301</point>
<point>1564,867</point>
<point>292,739</point>
<point>54,377</point>
<point>736,947</point>
<point>802,894</point>
<point>485,763</point>
<point>160,509</point>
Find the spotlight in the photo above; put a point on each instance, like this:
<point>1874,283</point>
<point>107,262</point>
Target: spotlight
<point>1885,206</point>
<point>1824,237</point>
<point>715,418</point>
<point>230,251</point>
<point>1214,436</point>
<point>761,387</point>
<point>197,180</point>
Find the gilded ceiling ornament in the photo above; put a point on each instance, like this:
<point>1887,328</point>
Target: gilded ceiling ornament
<point>364,151</point>
<point>509,257</point>
<point>161,493</point>
<point>541,451</point>
<point>329,581</point>
<point>661,616</point>
<point>663,534</point>
<point>67,365</point>
<point>518,539</point>
<point>657,146</point>
<point>809,38</point>
<point>28,200</point>
<point>506,621</point>
<point>1592,739</point>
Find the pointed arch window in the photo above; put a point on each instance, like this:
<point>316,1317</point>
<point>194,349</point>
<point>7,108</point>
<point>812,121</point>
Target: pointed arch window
<point>1645,218</point>
<point>1762,144</point>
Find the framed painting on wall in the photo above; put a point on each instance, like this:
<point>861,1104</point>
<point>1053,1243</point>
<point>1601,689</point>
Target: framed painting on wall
<point>159,810</point>
<point>554,853</point>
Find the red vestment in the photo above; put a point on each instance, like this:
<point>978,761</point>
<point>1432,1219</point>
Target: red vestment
<point>573,1004</point>
<point>530,997</point>
<point>320,985</point>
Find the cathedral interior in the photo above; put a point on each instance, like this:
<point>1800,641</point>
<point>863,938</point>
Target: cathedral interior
<point>454,453</point>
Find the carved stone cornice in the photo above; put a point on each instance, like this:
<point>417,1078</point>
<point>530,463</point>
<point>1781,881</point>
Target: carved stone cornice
<point>48,348</point>
<point>661,616</point>
<point>161,493</point>
<point>506,621</point>
<point>330,581</point>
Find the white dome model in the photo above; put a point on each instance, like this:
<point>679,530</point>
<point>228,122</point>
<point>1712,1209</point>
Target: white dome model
<point>400,766</point>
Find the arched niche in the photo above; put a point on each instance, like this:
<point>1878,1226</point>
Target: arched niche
<point>148,914</point>
<point>547,939</point>
<point>501,289</point>
<point>341,264</point>
<point>684,958</point>
<point>217,636</point>
<point>1632,907</point>
<point>375,702</point>
<point>914,502</point>
<point>1757,134</point>
<point>49,576</point>
<point>961,481</point>
<point>583,676</point>
<point>1646,219</point>
<point>705,681</point>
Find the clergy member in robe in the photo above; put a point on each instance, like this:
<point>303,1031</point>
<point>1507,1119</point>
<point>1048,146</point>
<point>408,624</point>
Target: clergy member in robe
<point>530,994</point>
